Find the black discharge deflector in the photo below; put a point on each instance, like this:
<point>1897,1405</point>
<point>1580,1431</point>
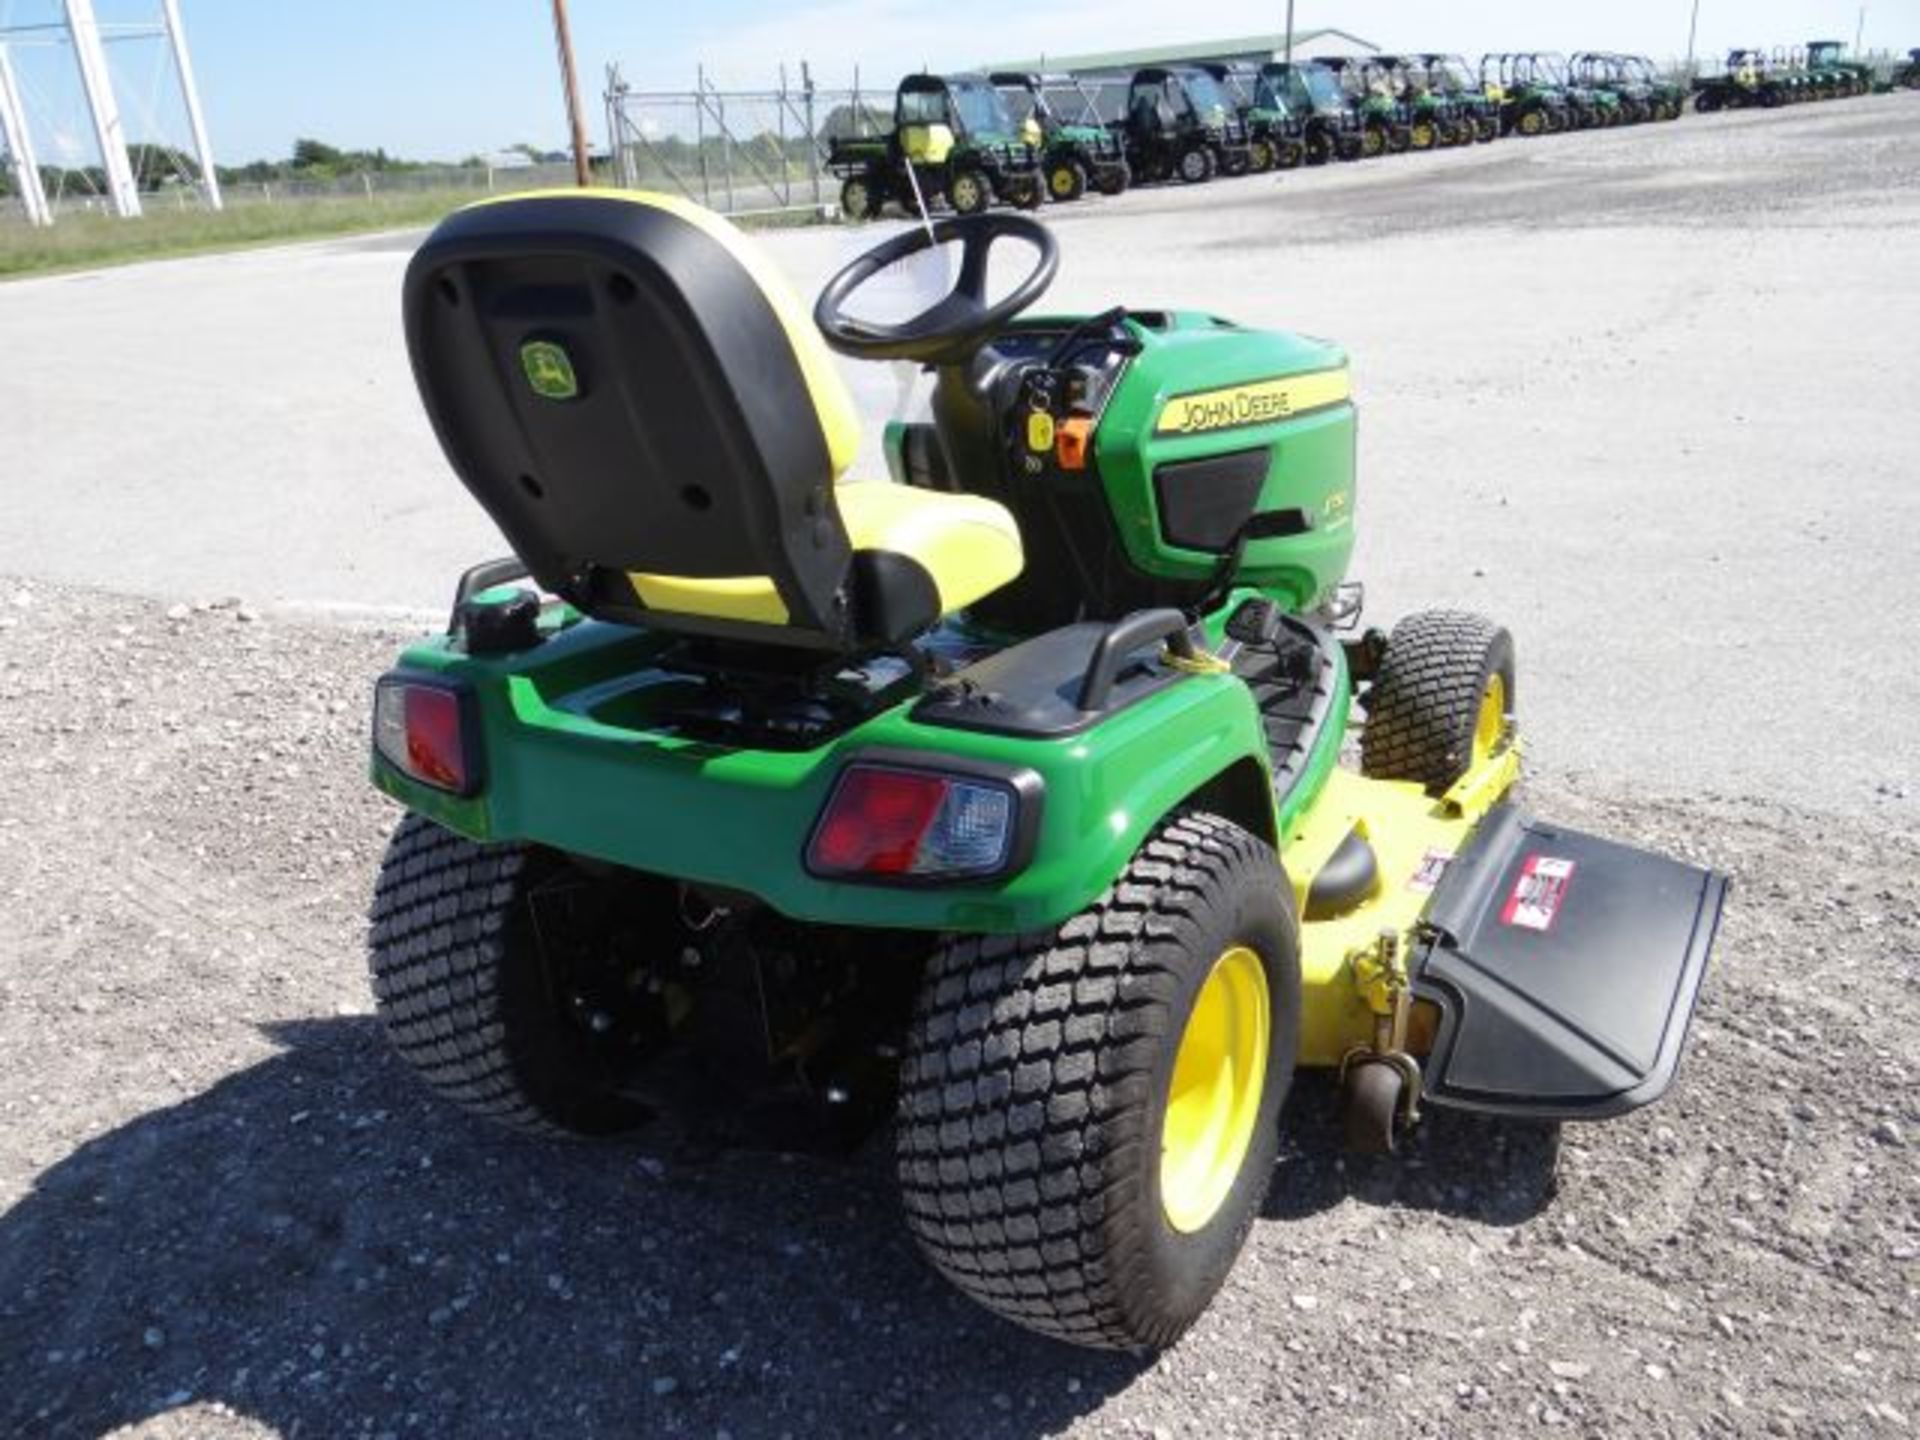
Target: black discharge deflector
<point>1566,968</point>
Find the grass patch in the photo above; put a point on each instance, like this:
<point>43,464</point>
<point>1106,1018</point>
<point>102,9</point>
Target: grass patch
<point>82,241</point>
<point>77,242</point>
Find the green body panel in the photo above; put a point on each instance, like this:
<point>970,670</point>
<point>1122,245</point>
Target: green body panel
<point>564,766</point>
<point>1313,453</point>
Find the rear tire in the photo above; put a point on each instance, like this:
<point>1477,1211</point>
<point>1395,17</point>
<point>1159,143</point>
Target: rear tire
<point>858,199</point>
<point>1034,1136</point>
<point>459,981</point>
<point>1425,712</point>
<point>1066,180</point>
<point>1113,179</point>
<point>1261,156</point>
<point>1196,164</point>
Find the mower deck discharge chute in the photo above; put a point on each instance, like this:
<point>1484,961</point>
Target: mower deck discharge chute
<point>1006,800</point>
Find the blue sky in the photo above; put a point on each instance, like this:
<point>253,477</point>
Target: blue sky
<point>446,78</point>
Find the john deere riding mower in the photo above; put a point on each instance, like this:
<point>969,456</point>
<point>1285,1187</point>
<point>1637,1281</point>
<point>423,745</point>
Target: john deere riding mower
<point>1449,75</point>
<point>953,138</point>
<point>1531,102</point>
<point>1311,94</point>
<point>1076,148</point>
<point>1181,123</point>
<point>1015,804</point>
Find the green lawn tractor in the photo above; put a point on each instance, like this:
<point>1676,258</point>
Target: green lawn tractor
<point>1181,124</point>
<point>1018,804</point>
<point>1311,93</point>
<point>1076,148</point>
<point>1450,76</point>
<point>1827,60</point>
<point>1530,102</point>
<point>1907,77</point>
<point>953,139</point>
<point>1747,80</point>
<point>1385,126</point>
<point>1276,138</point>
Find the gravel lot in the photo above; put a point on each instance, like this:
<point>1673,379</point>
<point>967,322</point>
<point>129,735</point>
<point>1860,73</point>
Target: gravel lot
<point>227,1212</point>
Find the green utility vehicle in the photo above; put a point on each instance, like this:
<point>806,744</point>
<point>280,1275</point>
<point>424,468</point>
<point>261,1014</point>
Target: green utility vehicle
<point>1603,71</point>
<point>1012,802</point>
<point>1668,96</point>
<point>1058,118</point>
<point>1434,117</point>
<point>1311,93</point>
<point>1827,62</point>
<point>953,138</point>
<point>1449,75</point>
<point>1747,80</point>
<point>1531,101</point>
<point>1908,75</point>
<point>1275,136</point>
<point>1181,123</point>
<point>1385,126</point>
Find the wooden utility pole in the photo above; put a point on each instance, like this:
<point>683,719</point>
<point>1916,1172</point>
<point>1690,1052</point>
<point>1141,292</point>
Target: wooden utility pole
<point>563,38</point>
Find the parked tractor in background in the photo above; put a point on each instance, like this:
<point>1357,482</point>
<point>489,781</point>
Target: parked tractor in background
<point>1434,117</point>
<point>1748,80</point>
<point>1276,138</point>
<point>1385,127</point>
<point>1669,96</point>
<point>1827,58</point>
<point>1059,119</point>
<point>1908,75</point>
<point>953,139</point>
<point>1449,75</point>
<point>1601,70</point>
<point>1311,93</point>
<point>1180,123</point>
<point>1531,102</point>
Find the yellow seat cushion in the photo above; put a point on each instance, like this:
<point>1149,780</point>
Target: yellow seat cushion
<point>968,545</point>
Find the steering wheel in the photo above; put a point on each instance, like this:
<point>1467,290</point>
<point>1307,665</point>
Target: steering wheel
<point>953,328</point>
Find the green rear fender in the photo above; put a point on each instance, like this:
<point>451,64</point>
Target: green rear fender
<point>561,770</point>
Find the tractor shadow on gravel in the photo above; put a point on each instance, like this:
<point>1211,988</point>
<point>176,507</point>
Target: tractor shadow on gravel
<point>314,1243</point>
<point>1496,1172</point>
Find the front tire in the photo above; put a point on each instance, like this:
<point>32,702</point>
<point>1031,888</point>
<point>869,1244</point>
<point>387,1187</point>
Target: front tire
<point>858,199</point>
<point>1196,165</point>
<point>1066,180</point>
<point>1442,702</point>
<point>968,192</point>
<point>1088,1116</point>
<point>460,981</point>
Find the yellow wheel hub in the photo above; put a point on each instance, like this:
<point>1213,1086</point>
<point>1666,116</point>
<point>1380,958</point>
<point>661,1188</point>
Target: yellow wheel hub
<point>1219,1075</point>
<point>1491,723</point>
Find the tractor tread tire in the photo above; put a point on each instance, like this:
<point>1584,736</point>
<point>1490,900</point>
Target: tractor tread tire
<point>1028,1097</point>
<point>1423,707</point>
<point>443,957</point>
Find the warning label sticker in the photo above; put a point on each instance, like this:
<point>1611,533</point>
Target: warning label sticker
<point>1427,874</point>
<point>1538,892</point>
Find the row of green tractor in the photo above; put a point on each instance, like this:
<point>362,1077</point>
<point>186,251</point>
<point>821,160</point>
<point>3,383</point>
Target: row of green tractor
<point>1019,139</point>
<point>1783,76</point>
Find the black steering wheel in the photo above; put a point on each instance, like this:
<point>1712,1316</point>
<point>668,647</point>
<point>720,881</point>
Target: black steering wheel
<point>953,328</point>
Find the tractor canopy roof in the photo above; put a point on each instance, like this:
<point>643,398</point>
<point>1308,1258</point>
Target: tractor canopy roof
<point>968,103</point>
<point>1302,86</point>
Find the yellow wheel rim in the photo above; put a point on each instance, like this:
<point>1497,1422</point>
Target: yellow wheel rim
<point>1219,1075</point>
<point>1063,182</point>
<point>1491,723</point>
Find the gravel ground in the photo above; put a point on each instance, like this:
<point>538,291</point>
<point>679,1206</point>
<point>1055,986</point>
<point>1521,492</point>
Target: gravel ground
<point>228,1212</point>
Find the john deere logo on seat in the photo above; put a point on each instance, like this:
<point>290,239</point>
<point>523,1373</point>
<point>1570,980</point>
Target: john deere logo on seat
<point>549,370</point>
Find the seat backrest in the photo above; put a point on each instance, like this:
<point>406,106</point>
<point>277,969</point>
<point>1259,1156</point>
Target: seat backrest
<point>639,401</point>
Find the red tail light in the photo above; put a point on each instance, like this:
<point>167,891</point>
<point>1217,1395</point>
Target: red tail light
<point>914,824</point>
<point>421,730</point>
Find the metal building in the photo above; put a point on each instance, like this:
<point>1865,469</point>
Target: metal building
<point>1253,49</point>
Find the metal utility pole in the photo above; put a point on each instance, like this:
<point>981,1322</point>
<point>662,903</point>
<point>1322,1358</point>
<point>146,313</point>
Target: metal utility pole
<point>1289,32</point>
<point>190,94</point>
<point>1693,28</point>
<point>563,39</point>
<point>1859,29</point>
<point>13,129</point>
<point>84,29</point>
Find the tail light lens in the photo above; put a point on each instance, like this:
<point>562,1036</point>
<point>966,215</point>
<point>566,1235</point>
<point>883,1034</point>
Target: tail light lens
<point>900,824</point>
<point>422,730</point>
